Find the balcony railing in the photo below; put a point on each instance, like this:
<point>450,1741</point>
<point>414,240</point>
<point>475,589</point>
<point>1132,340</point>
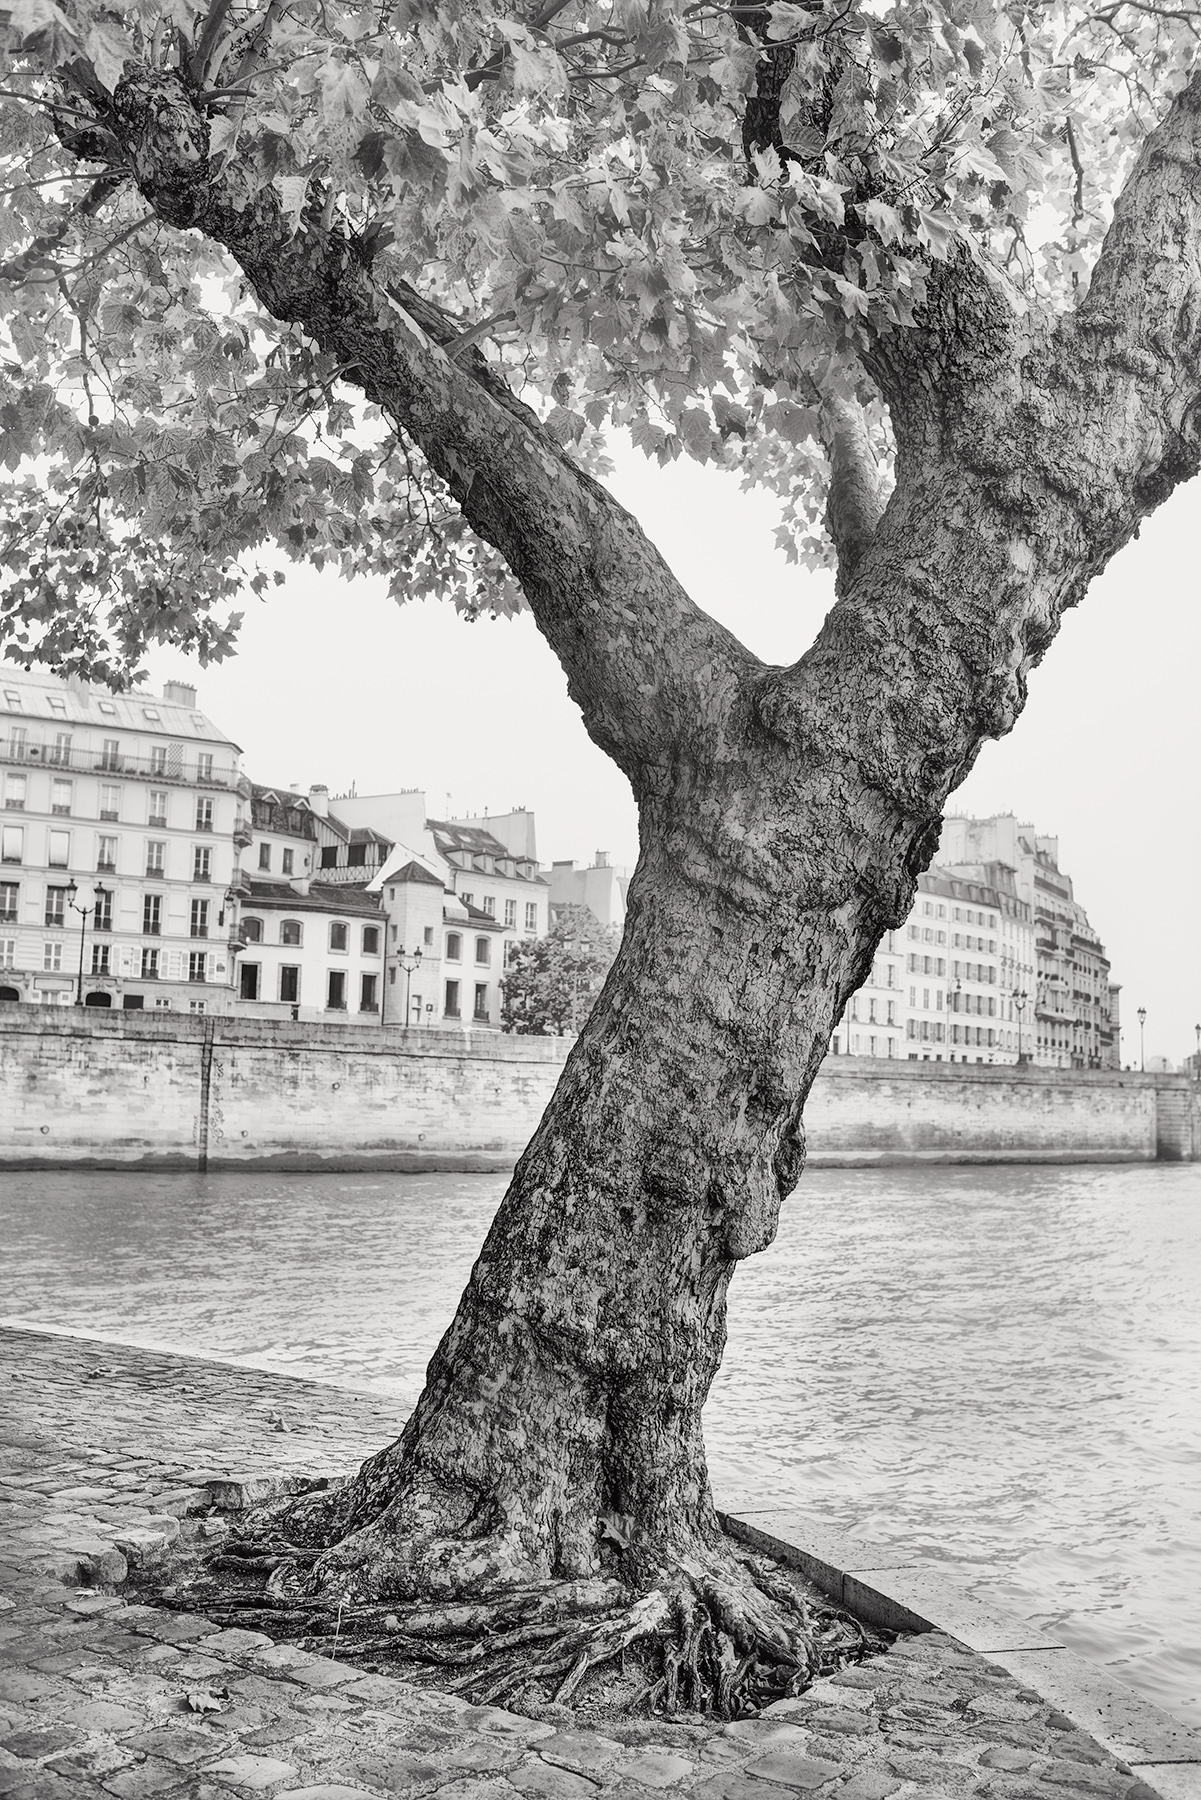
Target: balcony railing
<point>179,769</point>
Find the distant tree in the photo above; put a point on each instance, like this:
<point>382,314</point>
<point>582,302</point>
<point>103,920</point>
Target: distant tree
<point>363,283</point>
<point>552,981</point>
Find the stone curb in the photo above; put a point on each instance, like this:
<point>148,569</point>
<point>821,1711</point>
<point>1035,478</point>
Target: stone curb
<point>908,1595</point>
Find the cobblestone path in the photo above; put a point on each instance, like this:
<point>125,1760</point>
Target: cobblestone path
<point>101,1450</point>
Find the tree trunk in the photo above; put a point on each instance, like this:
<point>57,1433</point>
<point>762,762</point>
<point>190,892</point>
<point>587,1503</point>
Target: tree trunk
<point>562,1411</point>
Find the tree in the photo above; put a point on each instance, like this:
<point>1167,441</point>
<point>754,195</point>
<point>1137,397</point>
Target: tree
<point>552,981</point>
<point>366,285</point>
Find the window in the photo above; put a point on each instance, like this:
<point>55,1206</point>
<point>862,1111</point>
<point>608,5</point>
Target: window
<point>264,856</point>
<point>9,895</point>
<point>248,981</point>
<point>156,855</point>
<point>197,965</point>
<point>60,796</point>
<point>510,912</point>
<point>481,1000</point>
<point>158,759</point>
<point>369,993</point>
<point>531,915</point>
<point>17,743</point>
<point>106,706</point>
<point>106,853</point>
<point>100,956</point>
<point>286,861</point>
<point>12,698</point>
<point>427,934</point>
<point>110,802</point>
<point>12,843</point>
<point>52,955</point>
<point>483,950</point>
<point>152,915</point>
<point>60,750</point>
<point>197,1006</point>
<point>158,807</point>
<point>454,947</point>
<point>392,929</point>
<point>335,997</point>
<point>289,982</point>
<point>59,854</point>
<point>204,815</point>
<point>102,917</point>
<point>356,855</point>
<point>8,953</point>
<point>452,1000</point>
<point>338,937</point>
<point>149,712</point>
<point>252,931</point>
<point>289,932</point>
<point>202,863</point>
<point>200,919</point>
<point>204,766</point>
<point>14,793</point>
<point>329,856</point>
<point>371,940</point>
<point>490,905</point>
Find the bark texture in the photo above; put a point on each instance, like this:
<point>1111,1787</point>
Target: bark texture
<point>785,815</point>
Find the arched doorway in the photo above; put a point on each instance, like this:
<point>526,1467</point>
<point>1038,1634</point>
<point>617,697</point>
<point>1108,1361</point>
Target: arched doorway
<point>7,993</point>
<point>97,999</point>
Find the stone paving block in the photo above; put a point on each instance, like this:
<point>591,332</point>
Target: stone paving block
<point>324,1791</point>
<point>177,1744</point>
<point>586,1750</point>
<point>176,1628</point>
<point>234,1642</point>
<point>658,1768</point>
<point>144,1780</point>
<point>870,1784</point>
<point>38,1741</point>
<point>252,1772</point>
<point>550,1781</point>
<point>794,1769</point>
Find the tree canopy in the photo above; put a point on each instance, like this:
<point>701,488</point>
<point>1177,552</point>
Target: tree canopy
<point>551,982</point>
<point>688,218</point>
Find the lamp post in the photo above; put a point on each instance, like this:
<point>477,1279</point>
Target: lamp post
<point>85,912</point>
<point>408,967</point>
<point>1142,1058</point>
<point>1197,1029</point>
<point>1020,1000</point>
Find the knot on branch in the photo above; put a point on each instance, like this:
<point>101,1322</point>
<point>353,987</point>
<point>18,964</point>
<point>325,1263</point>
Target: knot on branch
<point>166,138</point>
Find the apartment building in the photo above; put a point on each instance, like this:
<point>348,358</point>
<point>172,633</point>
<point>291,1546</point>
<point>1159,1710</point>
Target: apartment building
<point>457,893</point>
<point>1071,1018</point>
<point>310,938</point>
<point>118,819</point>
<point>874,1021</point>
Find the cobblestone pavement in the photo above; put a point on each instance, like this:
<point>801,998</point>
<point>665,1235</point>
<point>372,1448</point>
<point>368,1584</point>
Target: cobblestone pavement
<point>101,1451</point>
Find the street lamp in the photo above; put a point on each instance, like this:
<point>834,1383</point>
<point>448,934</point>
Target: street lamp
<point>408,968</point>
<point>1020,1000</point>
<point>1197,1029</point>
<point>85,912</point>
<point>1142,1059</point>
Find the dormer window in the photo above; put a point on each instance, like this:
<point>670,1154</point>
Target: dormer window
<point>148,712</point>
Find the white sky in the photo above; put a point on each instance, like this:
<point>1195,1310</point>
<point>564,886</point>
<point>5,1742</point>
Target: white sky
<point>336,683</point>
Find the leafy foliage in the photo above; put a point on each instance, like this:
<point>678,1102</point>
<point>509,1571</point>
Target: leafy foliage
<point>551,982</point>
<point>688,218</point>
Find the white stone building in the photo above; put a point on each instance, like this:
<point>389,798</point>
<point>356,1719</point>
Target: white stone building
<point>118,820</point>
<point>458,893</point>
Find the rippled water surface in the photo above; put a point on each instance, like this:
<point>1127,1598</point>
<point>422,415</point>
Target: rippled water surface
<point>1000,1367</point>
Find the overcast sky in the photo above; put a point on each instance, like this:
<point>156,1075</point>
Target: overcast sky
<point>335,683</point>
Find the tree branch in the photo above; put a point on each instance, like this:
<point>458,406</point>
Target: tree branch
<point>856,498</point>
<point>644,664</point>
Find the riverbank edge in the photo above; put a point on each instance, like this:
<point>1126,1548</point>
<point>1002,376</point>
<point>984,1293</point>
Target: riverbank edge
<point>896,1593</point>
<point>483,1163</point>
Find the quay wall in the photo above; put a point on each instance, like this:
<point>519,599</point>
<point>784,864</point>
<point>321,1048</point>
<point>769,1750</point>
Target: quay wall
<point>92,1090</point>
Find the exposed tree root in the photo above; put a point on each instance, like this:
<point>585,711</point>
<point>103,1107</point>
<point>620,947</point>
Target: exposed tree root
<point>714,1633</point>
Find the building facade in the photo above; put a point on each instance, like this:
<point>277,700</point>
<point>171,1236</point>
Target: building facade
<point>457,894</point>
<point>119,821</point>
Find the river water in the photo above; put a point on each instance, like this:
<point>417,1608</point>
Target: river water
<point>999,1367</point>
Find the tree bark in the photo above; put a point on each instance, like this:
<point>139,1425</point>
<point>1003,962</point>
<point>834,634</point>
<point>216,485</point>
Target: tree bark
<point>785,815</point>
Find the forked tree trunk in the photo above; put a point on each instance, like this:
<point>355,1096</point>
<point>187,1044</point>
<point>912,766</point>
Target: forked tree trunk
<point>785,815</point>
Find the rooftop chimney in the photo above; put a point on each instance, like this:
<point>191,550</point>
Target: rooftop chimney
<point>319,800</point>
<point>178,693</point>
<point>601,860</point>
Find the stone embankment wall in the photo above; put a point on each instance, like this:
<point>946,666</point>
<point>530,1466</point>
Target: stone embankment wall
<point>101,1091</point>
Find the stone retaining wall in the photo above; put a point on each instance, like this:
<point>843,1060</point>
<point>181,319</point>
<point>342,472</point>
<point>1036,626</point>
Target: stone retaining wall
<point>133,1090</point>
